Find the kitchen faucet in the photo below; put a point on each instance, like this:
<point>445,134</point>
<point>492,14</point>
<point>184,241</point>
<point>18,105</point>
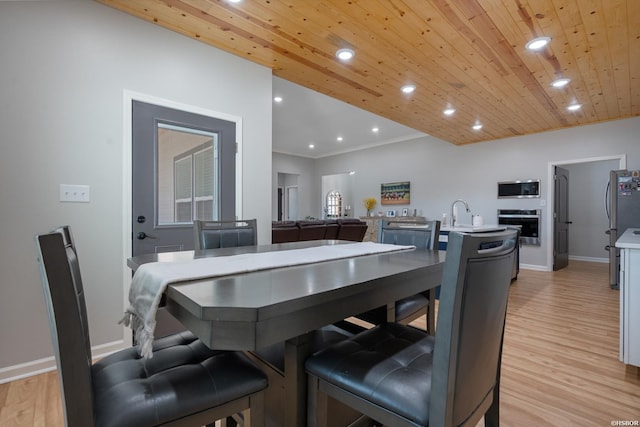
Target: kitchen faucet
<point>453,215</point>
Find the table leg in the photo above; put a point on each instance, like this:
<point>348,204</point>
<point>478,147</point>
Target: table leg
<point>431,312</point>
<point>391,312</point>
<point>296,352</point>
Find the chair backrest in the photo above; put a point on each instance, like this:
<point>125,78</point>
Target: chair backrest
<point>422,235</point>
<point>224,234</point>
<point>64,295</point>
<point>471,317</point>
<point>352,229</point>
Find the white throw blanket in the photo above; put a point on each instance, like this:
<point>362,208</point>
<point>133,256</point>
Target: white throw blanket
<point>150,280</point>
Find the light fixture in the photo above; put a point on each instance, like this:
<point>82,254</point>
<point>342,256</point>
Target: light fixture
<point>408,88</point>
<point>352,172</point>
<point>345,54</point>
<point>374,129</point>
<point>561,82</point>
<point>312,146</point>
<point>477,126</point>
<point>574,107</point>
<point>339,139</point>
<point>538,43</point>
<point>449,111</point>
<point>277,99</point>
<point>235,1</point>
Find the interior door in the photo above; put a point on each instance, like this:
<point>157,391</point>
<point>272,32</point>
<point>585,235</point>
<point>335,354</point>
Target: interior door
<point>561,219</point>
<point>183,169</point>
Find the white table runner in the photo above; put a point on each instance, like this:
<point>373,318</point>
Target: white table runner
<point>151,279</point>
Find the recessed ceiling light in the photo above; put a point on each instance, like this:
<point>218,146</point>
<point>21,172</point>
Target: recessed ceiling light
<point>449,111</point>
<point>311,146</point>
<point>352,172</point>
<point>574,107</point>
<point>339,138</point>
<point>408,88</point>
<point>374,129</point>
<point>235,1</point>
<point>562,82</point>
<point>277,99</point>
<point>345,54</point>
<point>477,126</point>
<point>538,43</point>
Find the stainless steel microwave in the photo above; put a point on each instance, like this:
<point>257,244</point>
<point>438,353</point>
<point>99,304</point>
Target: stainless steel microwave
<point>525,189</point>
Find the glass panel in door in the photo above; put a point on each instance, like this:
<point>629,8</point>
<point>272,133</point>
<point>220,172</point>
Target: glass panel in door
<point>187,175</point>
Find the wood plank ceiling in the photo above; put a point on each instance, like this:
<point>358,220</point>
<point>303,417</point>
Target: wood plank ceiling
<point>465,54</point>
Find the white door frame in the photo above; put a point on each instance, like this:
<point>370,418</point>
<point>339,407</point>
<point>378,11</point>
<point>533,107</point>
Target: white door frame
<point>287,202</point>
<point>622,158</point>
<point>127,171</point>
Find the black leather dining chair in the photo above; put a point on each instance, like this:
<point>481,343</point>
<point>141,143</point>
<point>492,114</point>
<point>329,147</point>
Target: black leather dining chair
<point>401,376</point>
<point>209,235</point>
<point>421,235</point>
<point>224,234</point>
<point>184,384</point>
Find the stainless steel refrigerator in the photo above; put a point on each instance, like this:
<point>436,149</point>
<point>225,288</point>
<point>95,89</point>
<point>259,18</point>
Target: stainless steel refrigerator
<point>622,200</point>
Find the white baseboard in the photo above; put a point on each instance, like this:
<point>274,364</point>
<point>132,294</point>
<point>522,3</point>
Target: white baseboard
<point>35,367</point>
<point>533,267</point>
<point>589,259</point>
<point>571,258</point>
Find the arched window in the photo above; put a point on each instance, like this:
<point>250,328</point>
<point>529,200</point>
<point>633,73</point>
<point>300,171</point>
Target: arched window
<point>334,204</point>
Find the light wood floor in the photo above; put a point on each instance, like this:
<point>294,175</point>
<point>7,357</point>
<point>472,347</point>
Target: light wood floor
<point>560,361</point>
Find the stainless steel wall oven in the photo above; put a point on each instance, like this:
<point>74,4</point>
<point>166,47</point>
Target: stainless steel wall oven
<point>527,219</point>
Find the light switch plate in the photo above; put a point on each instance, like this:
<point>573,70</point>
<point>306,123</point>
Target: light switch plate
<point>74,193</point>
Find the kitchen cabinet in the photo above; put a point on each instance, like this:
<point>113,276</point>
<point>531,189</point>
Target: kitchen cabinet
<point>629,244</point>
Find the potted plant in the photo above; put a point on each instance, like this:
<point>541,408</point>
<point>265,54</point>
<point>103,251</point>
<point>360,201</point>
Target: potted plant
<point>369,204</point>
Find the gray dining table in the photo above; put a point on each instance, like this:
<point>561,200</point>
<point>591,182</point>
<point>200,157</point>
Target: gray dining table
<point>253,310</point>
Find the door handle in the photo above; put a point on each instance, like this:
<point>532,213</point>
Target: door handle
<point>142,235</point>
<point>568,222</point>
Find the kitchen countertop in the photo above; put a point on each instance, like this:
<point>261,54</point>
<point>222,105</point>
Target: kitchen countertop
<point>468,228</point>
<point>630,239</point>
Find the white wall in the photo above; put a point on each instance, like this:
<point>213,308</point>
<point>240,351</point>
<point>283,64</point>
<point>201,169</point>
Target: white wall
<point>440,172</point>
<point>65,66</point>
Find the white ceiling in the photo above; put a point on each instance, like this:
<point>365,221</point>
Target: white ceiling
<point>308,117</point>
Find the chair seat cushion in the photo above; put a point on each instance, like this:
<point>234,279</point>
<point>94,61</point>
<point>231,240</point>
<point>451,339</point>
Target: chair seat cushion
<point>408,306</point>
<point>389,365</point>
<point>183,377</point>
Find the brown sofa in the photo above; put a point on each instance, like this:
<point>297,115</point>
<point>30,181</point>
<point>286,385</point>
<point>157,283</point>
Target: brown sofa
<point>342,229</point>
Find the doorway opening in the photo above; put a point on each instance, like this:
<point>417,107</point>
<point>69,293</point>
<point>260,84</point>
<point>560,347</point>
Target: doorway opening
<point>583,232</point>
<point>287,209</point>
